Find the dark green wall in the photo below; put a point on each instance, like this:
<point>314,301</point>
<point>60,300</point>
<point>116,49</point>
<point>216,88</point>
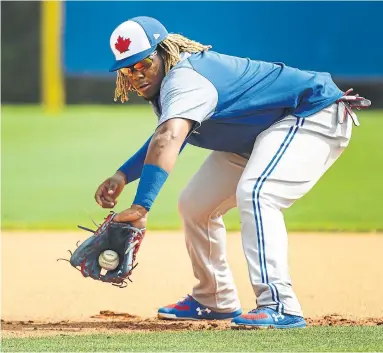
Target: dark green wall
<point>20,51</point>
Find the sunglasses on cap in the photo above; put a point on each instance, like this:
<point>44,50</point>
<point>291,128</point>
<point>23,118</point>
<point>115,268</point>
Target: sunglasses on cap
<point>141,66</point>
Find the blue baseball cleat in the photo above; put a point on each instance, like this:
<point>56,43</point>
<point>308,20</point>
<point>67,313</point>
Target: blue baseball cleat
<point>267,317</point>
<point>190,309</point>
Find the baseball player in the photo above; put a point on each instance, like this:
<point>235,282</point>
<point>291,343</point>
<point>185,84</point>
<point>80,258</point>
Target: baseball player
<point>273,130</point>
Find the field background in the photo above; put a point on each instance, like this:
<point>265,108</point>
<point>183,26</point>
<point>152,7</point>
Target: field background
<point>62,135</point>
<point>51,166</point>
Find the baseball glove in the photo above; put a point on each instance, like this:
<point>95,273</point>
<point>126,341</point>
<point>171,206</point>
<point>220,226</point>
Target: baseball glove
<point>122,238</point>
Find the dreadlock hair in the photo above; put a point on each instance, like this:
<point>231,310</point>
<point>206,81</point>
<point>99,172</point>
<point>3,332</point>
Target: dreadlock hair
<point>170,50</point>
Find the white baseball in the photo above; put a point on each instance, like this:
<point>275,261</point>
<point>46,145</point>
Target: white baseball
<point>108,260</point>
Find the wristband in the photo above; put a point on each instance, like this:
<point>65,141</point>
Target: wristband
<point>151,181</point>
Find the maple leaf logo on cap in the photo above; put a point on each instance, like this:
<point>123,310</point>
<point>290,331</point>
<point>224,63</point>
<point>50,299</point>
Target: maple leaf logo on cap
<point>122,44</point>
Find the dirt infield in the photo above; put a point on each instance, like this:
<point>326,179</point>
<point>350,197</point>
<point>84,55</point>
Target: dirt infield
<point>337,277</point>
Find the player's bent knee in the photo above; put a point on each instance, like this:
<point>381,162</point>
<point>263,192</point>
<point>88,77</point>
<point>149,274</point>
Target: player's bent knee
<point>188,205</point>
<point>193,206</point>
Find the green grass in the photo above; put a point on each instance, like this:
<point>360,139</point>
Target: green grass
<point>315,339</point>
<point>51,167</point>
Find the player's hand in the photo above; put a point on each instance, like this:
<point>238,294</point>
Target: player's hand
<point>108,192</point>
<point>135,215</point>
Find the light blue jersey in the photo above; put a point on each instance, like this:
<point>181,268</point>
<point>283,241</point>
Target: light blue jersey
<point>232,100</point>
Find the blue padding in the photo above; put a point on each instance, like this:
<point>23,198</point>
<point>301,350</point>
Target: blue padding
<point>151,181</point>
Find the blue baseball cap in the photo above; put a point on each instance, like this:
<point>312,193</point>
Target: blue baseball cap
<point>135,39</point>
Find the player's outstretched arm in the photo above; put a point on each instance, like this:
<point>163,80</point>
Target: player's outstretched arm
<point>110,189</point>
<point>162,154</point>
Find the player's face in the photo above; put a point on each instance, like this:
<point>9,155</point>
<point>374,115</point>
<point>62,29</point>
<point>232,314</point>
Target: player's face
<point>146,75</point>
